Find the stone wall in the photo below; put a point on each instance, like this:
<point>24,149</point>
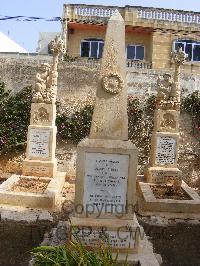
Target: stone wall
<point>78,80</point>
<point>143,82</point>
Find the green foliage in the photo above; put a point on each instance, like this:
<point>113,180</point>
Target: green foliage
<point>191,105</point>
<point>73,254</point>
<point>14,118</point>
<point>140,124</point>
<point>76,126</point>
<point>15,113</point>
<point>69,58</point>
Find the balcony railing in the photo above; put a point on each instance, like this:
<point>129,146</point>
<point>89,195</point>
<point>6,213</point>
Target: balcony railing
<point>96,63</point>
<point>94,11</point>
<point>73,11</point>
<point>173,16</point>
<point>138,64</point>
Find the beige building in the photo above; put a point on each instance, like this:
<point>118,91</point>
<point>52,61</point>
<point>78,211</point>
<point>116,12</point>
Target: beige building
<point>151,34</point>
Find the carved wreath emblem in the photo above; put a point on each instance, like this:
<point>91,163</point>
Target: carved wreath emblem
<point>41,116</point>
<point>112,83</point>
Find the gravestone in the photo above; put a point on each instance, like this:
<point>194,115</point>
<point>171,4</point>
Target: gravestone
<point>40,163</point>
<point>41,140</point>
<point>165,138</point>
<point>106,166</point>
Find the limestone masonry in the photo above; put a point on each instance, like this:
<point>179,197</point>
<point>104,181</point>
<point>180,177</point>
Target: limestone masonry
<point>19,72</point>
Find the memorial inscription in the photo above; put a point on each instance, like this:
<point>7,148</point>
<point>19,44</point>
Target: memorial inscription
<point>117,239</point>
<point>164,176</point>
<point>105,182</point>
<point>39,143</point>
<point>166,150</point>
<point>40,170</point>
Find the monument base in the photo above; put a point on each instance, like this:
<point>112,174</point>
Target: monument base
<point>121,236</point>
<point>39,168</point>
<point>46,199</point>
<point>145,256</point>
<point>148,204</point>
<point>162,175</point>
<point>105,178</point>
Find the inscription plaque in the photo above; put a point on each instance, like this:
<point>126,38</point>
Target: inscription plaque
<point>165,150</point>
<point>117,239</point>
<point>165,176</point>
<point>39,142</point>
<point>105,182</point>
<point>40,170</point>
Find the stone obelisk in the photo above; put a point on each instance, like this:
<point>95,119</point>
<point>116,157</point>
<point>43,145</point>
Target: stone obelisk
<point>110,120</point>
<point>107,161</point>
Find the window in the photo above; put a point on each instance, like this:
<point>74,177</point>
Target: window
<point>92,48</point>
<point>135,52</point>
<point>191,48</point>
<point>49,50</point>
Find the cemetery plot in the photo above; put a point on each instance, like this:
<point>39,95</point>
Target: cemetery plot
<point>169,192</point>
<point>32,192</point>
<point>30,185</point>
<point>165,200</point>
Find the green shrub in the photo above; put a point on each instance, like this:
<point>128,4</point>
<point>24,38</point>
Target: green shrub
<point>191,105</point>
<point>73,254</point>
<point>15,113</point>
<point>140,124</point>
<point>76,126</point>
<point>14,118</point>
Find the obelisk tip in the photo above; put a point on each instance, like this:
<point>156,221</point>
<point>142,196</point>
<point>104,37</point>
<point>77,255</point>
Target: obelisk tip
<point>116,16</point>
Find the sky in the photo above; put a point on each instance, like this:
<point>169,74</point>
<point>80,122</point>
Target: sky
<point>26,34</point>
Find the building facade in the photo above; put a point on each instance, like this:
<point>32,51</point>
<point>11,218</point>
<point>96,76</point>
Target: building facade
<point>43,43</point>
<point>151,34</point>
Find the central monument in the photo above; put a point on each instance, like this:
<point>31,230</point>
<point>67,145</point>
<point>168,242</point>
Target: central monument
<point>110,120</point>
<point>106,170</point>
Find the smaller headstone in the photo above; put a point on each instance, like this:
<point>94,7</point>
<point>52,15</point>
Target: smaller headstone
<point>165,137</point>
<point>41,140</point>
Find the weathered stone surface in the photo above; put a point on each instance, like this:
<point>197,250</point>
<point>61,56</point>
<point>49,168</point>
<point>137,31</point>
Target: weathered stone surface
<point>124,235</point>
<point>41,143</point>
<point>40,152</point>
<point>140,82</point>
<point>149,205</point>
<point>163,175</point>
<point>110,113</point>
<point>41,140</point>
<point>122,206</point>
<point>144,257</point>
<point>166,120</point>
<point>39,168</point>
<point>45,89</point>
<point>106,161</point>
<point>165,137</point>
<point>164,149</point>
<point>43,114</point>
<point>105,180</point>
<point>44,200</point>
